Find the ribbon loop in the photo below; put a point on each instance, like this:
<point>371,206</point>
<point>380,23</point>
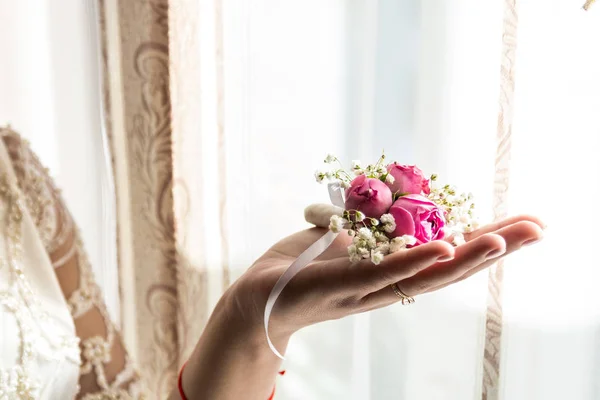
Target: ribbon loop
<point>313,251</point>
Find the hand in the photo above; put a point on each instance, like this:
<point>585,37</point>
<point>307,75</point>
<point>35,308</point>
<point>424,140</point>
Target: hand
<point>232,359</point>
<point>331,287</point>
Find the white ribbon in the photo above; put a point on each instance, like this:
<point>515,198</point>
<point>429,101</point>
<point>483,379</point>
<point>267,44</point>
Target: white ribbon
<point>316,249</point>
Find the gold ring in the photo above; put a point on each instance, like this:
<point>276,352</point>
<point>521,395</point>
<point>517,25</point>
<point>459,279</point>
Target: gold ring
<point>404,299</point>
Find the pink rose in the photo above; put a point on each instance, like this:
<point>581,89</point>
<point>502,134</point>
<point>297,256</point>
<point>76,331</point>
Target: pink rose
<point>408,179</point>
<point>417,216</point>
<point>369,196</point>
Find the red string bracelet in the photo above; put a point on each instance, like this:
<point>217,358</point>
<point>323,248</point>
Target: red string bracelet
<point>272,396</point>
<point>180,384</point>
<point>183,396</point>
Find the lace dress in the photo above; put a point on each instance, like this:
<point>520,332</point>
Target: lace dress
<point>56,339</point>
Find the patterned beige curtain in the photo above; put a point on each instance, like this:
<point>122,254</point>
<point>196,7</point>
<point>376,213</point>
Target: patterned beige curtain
<point>494,318</point>
<point>152,114</point>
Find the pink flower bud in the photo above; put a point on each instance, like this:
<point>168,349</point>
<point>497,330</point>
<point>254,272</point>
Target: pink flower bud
<point>368,195</point>
<point>408,179</point>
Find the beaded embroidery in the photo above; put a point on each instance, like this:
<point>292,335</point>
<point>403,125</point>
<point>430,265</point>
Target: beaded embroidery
<point>44,201</point>
<point>19,382</point>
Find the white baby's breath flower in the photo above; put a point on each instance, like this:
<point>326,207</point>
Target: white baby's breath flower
<point>363,252</point>
<point>397,244</point>
<point>352,233</point>
<point>458,239</point>
<point>353,253</point>
<point>389,227</point>
<point>376,257</point>
<point>344,184</point>
<point>357,168</point>
<point>374,222</point>
<point>381,237</point>
<point>336,223</point>
<point>330,158</point>
<point>387,218</point>
<point>409,240</point>
<point>319,176</point>
<point>389,179</point>
<point>372,243</point>
<point>383,248</point>
<point>365,233</point>
<point>352,249</point>
<point>359,216</point>
<point>355,258</point>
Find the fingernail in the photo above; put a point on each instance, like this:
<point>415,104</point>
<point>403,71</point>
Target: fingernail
<point>530,242</point>
<point>495,253</point>
<point>445,258</point>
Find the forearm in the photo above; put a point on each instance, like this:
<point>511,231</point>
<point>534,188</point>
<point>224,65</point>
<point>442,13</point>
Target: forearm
<point>231,360</point>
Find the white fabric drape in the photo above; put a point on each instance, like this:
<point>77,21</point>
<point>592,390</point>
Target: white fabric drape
<point>50,93</point>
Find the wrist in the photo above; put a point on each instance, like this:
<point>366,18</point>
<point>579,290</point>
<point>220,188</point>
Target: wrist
<point>243,307</point>
<point>232,357</point>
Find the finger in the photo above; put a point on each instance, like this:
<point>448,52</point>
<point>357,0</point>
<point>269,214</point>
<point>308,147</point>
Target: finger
<point>489,228</point>
<point>466,257</point>
<point>516,236</point>
<point>400,265</point>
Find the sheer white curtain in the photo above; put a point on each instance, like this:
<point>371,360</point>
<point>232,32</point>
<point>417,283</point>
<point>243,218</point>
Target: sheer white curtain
<point>551,301</point>
<point>50,94</point>
<point>353,78</point>
<point>422,81</point>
